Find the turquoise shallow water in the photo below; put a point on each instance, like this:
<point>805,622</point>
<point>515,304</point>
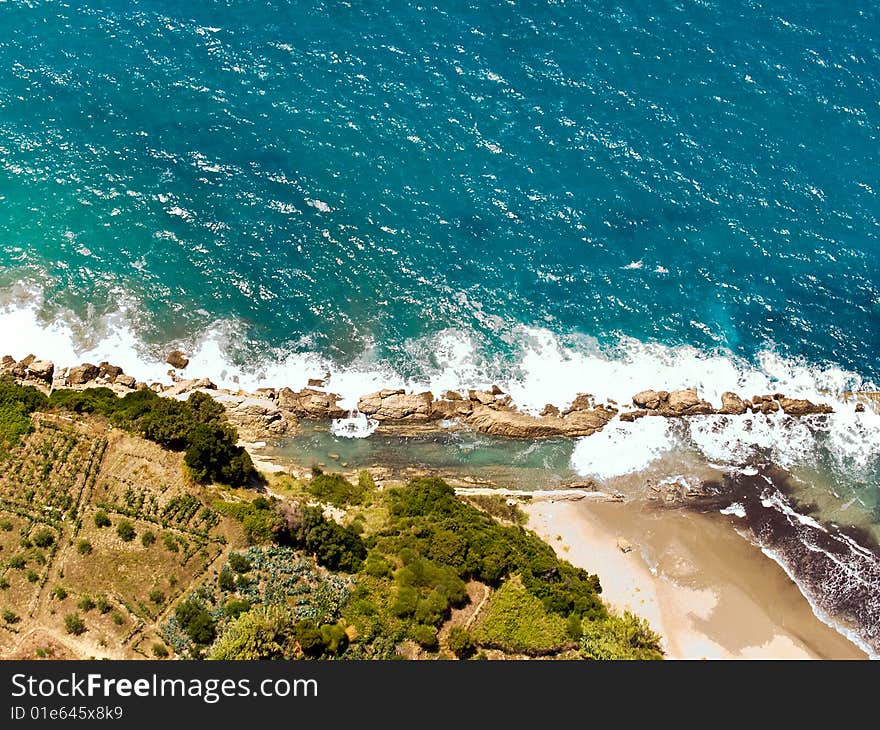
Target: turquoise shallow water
<point>342,178</point>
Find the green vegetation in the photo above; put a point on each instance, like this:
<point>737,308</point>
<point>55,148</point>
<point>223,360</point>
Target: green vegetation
<point>516,621</point>
<point>460,642</point>
<point>335,547</point>
<point>73,624</point>
<point>498,506</point>
<point>239,563</point>
<point>337,490</point>
<point>626,637</point>
<point>83,547</point>
<point>44,537</point>
<point>60,593</point>
<point>17,402</point>
<point>148,538</point>
<point>160,651</point>
<point>261,522</point>
<point>196,426</point>
<point>269,632</point>
<point>102,519</point>
<point>9,617</point>
<point>85,604</point>
<point>125,530</point>
<point>157,596</point>
<point>196,621</point>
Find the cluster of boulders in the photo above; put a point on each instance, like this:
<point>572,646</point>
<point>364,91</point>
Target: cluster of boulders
<point>270,412</point>
<point>688,403</point>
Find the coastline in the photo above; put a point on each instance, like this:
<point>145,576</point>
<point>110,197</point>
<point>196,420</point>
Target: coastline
<point>705,589</point>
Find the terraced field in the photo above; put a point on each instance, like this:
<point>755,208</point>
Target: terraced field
<point>101,525</point>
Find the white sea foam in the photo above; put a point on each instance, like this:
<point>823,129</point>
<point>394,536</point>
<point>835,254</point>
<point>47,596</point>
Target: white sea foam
<point>545,369</point>
<point>622,448</point>
<point>356,426</point>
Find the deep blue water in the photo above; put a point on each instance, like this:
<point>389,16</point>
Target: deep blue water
<point>333,176</point>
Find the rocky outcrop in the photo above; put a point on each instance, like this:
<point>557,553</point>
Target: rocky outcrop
<point>187,386</point>
<point>177,359</point>
<point>82,374</point>
<point>798,407</point>
<point>256,418</point>
<point>449,409</point>
<point>396,405</point>
<point>515,424</point>
<point>484,397</point>
<point>311,404</point>
<point>672,403</point>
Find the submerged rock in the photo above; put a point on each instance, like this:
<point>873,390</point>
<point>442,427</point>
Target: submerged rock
<point>177,359</point>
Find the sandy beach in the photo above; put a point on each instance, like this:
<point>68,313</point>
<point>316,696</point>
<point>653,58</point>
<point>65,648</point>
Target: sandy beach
<point>708,591</point>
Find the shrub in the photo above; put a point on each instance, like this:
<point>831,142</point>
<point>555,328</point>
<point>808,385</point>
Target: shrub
<point>336,489</point>
<point>425,636</point>
<point>170,542</point>
<point>196,621</point>
<point>17,562</point>
<point>73,624</point>
<point>102,519</point>
<point>43,538</point>
<point>157,596</point>
<point>460,642</point>
<point>235,607</point>
<point>239,563</point>
<point>160,651</point>
<point>620,637</point>
<point>84,547</point>
<point>4,583</point>
<point>103,605</point>
<point>32,576</point>
<point>85,604</point>
<point>9,617</point>
<point>148,538</point>
<point>264,632</point>
<point>365,481</point>
<point>60,593</point>
<point>6,525</point>
<point>125,530</point>
<point>118,618</point>
<point>226,580</point>
<point>335,547</point>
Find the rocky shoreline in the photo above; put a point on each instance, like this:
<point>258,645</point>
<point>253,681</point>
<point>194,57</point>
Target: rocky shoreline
<point>272,412</point>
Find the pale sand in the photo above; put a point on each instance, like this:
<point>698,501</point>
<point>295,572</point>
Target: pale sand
<point>707,590</point>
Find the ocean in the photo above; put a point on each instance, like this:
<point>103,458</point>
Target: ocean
<point>558,197</point>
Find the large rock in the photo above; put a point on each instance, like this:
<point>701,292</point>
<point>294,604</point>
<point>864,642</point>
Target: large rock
<point>515,424</point>
<point>177,359</point>
<point>42,370</point>
<point>732,404</point>
<point>685,403</point>
<point>82,374</point>
<point>312,404</point>
<point>126,381</point>
<point>799,407</point>
<point>674,403</point>
<point>396,405</point>
<point>187,386</point>
<point>108,371</point>
<point>256,418</point>
<point>649,399</point>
